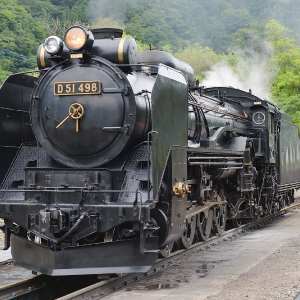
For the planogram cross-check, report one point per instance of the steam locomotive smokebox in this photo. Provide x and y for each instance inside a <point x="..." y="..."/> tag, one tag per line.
<point x="109" y="44"/>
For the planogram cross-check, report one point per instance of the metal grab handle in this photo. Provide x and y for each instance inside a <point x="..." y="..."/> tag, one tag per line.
<point x="149" y="133"/>
<point x="76" y="114"/>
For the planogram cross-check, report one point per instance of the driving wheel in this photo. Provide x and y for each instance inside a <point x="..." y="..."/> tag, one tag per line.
<point x="204" y="224"/>
<point x="188" y="235"/>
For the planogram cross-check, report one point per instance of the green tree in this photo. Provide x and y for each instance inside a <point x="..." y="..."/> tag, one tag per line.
<point x="286" y="86"/>
<point x="287" y="58"/>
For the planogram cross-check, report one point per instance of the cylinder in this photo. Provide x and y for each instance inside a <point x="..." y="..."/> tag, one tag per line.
<point x="226" y="171"/>
<point x="116" y="50"/>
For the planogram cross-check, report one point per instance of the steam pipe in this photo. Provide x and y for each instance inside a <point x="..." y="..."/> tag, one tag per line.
<point x="214" y="157"/>
<point x="74" y="227"/>
<point x="199" y="163"/>
<point x="232" y="168"/>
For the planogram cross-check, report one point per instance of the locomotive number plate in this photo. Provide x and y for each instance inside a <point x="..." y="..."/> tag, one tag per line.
<point x="77" y="88"/>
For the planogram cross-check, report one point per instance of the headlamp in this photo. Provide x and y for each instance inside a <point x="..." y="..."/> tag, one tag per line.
<point x="78" y="37"/>
<point x="53" y="45"/>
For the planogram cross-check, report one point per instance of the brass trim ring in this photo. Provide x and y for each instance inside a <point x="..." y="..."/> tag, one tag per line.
<point x="120" y="51"/>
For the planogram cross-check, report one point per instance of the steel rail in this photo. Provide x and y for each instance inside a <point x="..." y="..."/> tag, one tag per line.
<point x="24" y="289"/>
<point x="20" y="289"/>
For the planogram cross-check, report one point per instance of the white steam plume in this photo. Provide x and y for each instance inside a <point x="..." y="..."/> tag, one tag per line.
<point x="253" y="72"/>
<point x="115" y="9"/>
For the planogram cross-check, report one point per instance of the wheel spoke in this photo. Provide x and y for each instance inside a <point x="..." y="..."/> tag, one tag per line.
<point x="219" y="219"/>
<point x="204" y="224"/>
<point x="188" y="235"/>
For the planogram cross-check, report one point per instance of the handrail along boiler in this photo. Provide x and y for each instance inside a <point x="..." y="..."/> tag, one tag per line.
<point x="124" y="155"/>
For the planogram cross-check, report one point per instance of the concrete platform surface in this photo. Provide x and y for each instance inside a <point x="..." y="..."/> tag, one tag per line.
<point x="5" y="255"/>
<point x="209" y="274"/>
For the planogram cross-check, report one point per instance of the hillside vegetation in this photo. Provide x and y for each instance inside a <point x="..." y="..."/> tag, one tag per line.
<point x="204" y="33"/>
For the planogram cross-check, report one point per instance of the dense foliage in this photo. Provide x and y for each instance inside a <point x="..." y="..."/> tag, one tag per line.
<point x="24" y="24"/>
<point x="201" y="32"/>
<point x="286" y="84"/>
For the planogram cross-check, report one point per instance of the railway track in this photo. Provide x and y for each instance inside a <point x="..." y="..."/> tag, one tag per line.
<point x="89" y="287"/>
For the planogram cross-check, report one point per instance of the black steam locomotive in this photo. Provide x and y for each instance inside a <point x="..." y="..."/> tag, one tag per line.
<point x="111" y="156"/>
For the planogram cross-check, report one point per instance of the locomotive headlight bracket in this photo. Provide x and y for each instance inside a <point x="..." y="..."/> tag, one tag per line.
<point x="78" y="38"/>
<point x="53" y="45"/>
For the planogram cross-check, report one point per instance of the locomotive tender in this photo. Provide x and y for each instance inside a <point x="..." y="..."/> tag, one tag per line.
<point x="110" y="156"/>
